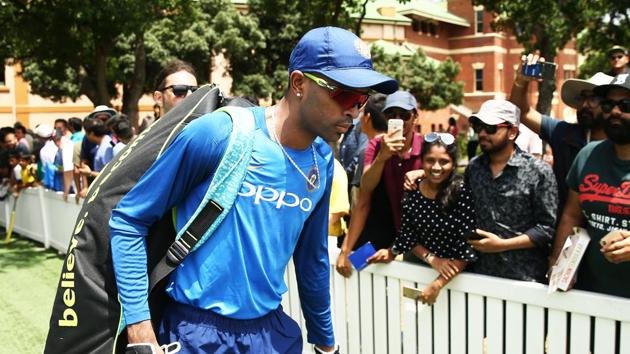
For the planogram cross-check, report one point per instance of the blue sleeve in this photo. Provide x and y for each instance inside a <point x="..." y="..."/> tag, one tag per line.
<point x="188" y="161"/>
<point x="547" y="127"/>
<point x="313" y="270"/>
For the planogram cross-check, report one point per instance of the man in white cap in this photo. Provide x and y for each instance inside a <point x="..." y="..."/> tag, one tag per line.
<point x="566" y="139"/>
<point x="599" y="198"/>
<point x="515" y="197"/>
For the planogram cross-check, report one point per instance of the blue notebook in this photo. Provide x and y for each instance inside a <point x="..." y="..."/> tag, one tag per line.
<point x="359" y="257"/>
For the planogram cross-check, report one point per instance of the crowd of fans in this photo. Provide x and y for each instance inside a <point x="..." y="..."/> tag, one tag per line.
<point x="509" y="213"/>
<point x="65" y="157"/>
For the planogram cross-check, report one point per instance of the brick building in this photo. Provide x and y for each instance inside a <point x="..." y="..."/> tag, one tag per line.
<point x="453" y="28"/>
<point x="457" y="29"/>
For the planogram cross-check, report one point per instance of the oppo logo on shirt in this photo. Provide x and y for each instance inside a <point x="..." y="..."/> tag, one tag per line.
<point x="279" y="198"/>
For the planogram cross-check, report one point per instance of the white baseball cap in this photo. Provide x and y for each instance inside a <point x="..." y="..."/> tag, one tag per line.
<point x="493" y="112"/>
<point x="43" y="131"/>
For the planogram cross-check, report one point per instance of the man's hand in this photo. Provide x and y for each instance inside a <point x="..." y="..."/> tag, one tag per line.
<point x="344" y="267"/>
<point x="381" y="256"/>
<point x="490" y="243"/>
<point x="142" y="332"/>
<point x="618" y="251"/>
<point x="412" y="178"/>
<point x="430" y="293"/>
<point x="446" y="267"/>
<point x="85" y="170"/>
<point x="390" y="146"/>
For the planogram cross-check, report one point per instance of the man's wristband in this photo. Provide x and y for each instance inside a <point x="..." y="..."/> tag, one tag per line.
<point x="319" y="351"/>
<point x="427" y="257"/>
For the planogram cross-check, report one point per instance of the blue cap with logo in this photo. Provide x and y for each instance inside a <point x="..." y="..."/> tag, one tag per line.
<point x="341" y="56"/>
<point x="400" y="99"/>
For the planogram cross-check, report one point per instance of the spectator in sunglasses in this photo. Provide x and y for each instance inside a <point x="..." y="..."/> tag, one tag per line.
<point x="618" y="59"/>
<point x="376" y="216"/>
<point x="437" y="218"/>
<point x="173" y="83"/>
<point x="599" y="195"/>
<point x="515" y="198"/>
<point x="566" y="139"/>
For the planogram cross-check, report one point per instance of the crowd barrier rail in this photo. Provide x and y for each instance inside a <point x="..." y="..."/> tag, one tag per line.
<point x="474" y="314"/>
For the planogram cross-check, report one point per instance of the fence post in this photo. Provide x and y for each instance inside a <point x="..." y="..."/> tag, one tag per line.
<point x="42" y="208"/>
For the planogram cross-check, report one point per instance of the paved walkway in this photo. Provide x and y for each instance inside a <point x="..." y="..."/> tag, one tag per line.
<point x="28" y="279"/>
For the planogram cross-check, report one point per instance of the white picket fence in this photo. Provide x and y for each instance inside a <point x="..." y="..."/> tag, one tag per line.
<point x="474" y="314"/>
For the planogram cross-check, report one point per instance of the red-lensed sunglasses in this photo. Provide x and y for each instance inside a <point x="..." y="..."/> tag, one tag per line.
<point x="344" y="97"/>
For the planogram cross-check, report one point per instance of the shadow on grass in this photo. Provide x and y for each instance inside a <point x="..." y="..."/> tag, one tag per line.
<point x="23" y="253"/>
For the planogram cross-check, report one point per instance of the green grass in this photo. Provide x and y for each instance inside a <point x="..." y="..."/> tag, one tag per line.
<point x="28" y="280"/>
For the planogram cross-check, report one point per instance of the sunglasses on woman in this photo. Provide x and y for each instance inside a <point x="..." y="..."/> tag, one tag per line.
<point x="478" y="126"/>
<point x="445" y="138"/>
<point x="344" y="97"/>
<point x="608" y="105"/>
<point x="180" y="90"/>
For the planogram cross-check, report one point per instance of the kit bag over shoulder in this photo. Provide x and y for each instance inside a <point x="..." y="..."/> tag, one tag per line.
<point x="86" y="315"/>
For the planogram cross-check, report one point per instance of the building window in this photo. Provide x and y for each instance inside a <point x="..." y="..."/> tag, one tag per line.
<point x="433" y="29"/>
<point x="569" y="74"/>
<point x="432" y="127"/>
<point x="478" y="79"/>
<point x="415" y="25"/>
<point x="424" y="26"/>
<point x="479" y="21"/>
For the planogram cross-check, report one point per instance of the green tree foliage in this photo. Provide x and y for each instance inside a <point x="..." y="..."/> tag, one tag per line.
<point x="283" y="22"/>
<point x="607" y="24"/>
<point x="431" y="82"/>
<point x="86" y="48"/>
<point x="543" y="25"/>
<point x="78" y="47"/>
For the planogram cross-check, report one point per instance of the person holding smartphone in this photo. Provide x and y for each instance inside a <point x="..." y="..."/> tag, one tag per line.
<point x="376" y="216"/>
<point x="437" y="218"/>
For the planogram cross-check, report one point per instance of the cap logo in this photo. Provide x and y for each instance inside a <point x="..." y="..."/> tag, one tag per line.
<point x="621" y="79"/>
<point x="362" y="48"/>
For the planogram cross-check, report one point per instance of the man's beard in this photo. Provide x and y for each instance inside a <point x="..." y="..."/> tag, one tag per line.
<point x="494" y="147"/>
<point x="618" y="133"/>
<point x="588" y="120"/>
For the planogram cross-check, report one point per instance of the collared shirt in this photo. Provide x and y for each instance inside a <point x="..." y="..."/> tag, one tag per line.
<point x="394" y="171"/>
<point x="352" y="145"/>
<point x="104" y="153"/>
<point x="522" y="199"/>
<point x="566" y="140"/>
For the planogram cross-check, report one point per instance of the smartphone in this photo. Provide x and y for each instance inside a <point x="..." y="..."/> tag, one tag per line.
<point x="541" y="70"/>
<point x="395" y="124"/>
<point x="412" y="293"/>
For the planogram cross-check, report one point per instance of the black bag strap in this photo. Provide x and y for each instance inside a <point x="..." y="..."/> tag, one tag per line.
<point x="182" y="246"/>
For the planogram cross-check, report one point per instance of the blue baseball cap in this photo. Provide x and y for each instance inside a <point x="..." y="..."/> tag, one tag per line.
<point x="341" y="56"/>
<point x="400" y="99"/>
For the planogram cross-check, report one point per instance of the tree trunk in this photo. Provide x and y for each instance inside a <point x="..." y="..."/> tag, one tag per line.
<point x="336" y="13"/>
<point x="133" y="88"/>
<point x="546" y="87"/>
<point x="100" y="74"/>
<point x="357" y="27"/>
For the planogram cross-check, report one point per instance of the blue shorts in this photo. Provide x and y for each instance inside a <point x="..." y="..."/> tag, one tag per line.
<point x="203" y="331"/>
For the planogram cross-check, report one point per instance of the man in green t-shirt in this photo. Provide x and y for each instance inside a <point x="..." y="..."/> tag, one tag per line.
<point x="599" y="197"/>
